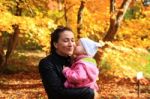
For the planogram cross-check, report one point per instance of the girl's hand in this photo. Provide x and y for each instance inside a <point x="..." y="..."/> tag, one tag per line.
<point x="65" y="67"/>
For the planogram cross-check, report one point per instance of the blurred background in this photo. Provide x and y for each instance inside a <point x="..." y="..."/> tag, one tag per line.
<point x="26" y="25"/>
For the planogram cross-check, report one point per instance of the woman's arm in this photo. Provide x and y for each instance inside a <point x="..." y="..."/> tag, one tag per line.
<point x="52" y="83"/>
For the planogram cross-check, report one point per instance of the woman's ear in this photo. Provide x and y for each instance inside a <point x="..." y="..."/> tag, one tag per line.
<point x="55" y="45"/>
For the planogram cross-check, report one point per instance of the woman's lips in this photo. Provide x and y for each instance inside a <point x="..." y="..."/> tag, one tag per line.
<point x="70" y="49"/>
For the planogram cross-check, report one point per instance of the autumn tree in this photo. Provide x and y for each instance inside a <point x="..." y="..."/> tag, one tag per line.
<point x="67" y="8"/>
<point x="14" y="36"/>
<point x="79" y="19"/>
<point x="116" y="19"/>
<point x="17" y="18"/>
<point x="112" y="6"/>
<point x="1" y="51"/>
<point x="60" y="4"/>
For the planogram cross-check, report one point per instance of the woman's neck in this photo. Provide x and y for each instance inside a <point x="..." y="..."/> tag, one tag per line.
<point x="60" y="59"/>
<point x="61" y="54"/>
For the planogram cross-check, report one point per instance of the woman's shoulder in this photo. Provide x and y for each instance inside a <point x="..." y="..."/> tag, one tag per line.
<point x="45" y="61"/>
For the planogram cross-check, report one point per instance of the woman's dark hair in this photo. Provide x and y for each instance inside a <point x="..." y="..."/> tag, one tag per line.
<point x="55" y="36"/>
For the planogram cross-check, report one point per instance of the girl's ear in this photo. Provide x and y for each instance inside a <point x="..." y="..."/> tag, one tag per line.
<point x="55" y="45"/>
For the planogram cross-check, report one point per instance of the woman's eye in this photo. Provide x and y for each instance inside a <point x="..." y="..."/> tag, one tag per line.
<point x="72" y="40"/>
<point x="65" y="40"/>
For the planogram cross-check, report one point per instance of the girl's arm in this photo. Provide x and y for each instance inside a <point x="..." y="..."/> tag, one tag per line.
<point x="75" y="75"/>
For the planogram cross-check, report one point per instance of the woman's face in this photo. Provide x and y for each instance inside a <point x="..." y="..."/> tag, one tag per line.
<point x="65" y="44"/>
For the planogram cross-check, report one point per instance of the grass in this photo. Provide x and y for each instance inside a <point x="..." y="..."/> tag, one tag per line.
<point x="125" y="63"/>
<point x="23" y="61"/>
<point x="114" y="62"/>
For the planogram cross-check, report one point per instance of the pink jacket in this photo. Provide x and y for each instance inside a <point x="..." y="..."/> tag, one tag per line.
<point x="83" y="73"/>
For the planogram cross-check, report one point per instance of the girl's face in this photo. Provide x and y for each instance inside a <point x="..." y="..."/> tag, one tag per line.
<point x="65" y="44"/>
<point x="79" y="49"/>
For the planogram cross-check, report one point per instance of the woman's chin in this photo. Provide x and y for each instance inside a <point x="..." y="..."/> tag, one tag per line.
<point x="70" y="53"/>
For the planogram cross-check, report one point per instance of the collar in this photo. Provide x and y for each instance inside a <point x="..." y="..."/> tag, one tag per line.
<point x="61" y="60"/>
<point x="82" y="56"/>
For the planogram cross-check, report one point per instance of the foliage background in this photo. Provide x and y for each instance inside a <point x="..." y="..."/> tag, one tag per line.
<point x="126" y="55"/>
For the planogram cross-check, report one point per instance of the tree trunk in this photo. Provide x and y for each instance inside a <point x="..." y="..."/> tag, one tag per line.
<point x="13" y="37"/>
<point x="112" y="6"/>
<point x="1" y="51"/>
<point x="65" y="13"/>
<point x="66" y="9"/>
<point x="115" y="21"/>
<point x="60" y="7"/>
<point x="12" y="43"/>
<point x="79" y="19"/>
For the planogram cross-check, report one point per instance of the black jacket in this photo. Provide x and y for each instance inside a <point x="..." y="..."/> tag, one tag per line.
<point x="50" y="69"/>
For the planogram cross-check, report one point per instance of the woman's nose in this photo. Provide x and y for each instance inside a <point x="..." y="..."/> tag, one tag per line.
<point x="71" y="44"/>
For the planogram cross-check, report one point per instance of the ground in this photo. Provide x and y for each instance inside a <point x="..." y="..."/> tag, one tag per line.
<point x="27" y="84"/>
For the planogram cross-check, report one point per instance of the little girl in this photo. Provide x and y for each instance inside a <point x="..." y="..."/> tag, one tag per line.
<point x="84" y="71"/>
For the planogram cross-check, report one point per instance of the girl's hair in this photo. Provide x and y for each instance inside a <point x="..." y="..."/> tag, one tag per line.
<point x="55" y="35"/>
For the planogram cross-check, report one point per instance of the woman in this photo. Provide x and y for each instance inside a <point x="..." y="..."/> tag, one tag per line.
<point x="50" y="67"/>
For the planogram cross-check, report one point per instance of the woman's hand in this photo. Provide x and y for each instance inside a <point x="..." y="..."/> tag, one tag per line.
<point x="96" y="95"/>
